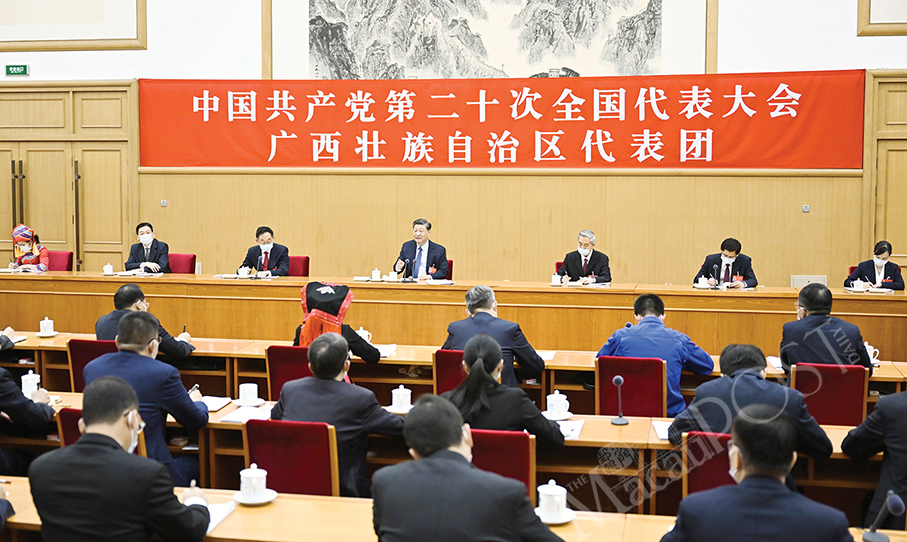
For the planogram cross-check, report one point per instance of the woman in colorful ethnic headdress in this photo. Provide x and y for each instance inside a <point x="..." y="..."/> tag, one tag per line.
<point x="325" y="305"/>
<point x="30" y="255"/>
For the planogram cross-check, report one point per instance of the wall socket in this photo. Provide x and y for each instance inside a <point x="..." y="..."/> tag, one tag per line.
<point x="164" y="204"/>
<point x="806" y="208"/>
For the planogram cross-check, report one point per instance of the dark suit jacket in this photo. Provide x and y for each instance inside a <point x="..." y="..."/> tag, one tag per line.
<point x="358" y="346"/>
<point x="159" y="253"/>
<point x="758" y="509"/>
<point x="25" y="414"/>
<point x="867" y="270"/>
<point x="437" y="258"/>
<point x="6" y="510"/>
<point x="510" y="409"/>
<point x="160" y="392"/>
<point x="94" y="491"/>
<point x="598" y="266"/>
<point x="509" y="336"/>
<point x="278" y="260"/>
<point x="718" y="401"/>
<point x="742" y="266"/>
<point x="885" y="430"/>
<point x="444" y="498"/>
<point x="5" y="343"/>
<point x="105" y="329"/>
<point x="353" y="411"/>
<point x="823" y="339"/>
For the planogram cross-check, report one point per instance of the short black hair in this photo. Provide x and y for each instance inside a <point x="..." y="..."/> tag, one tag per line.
<point x="433" y="424"/>
<point x="263" y="230"/>
<point x="327" y="354"/>
<point x="815" y="298"/>
<point x="136" y="329"/>
<point x="142" y="225"/>
<point x="740" y="357"/>
<point x="731" y="244"/>
<point x="648" y="305"/>
<point x="106" y="399"/>
<point x="767" y="438"/>
<point x="422" y="222"/>
<point x="127" y="295"/>
<point x="881" y="248"/>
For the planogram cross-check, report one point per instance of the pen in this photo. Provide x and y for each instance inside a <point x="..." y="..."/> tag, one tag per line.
<point x="184" y="328"/>
<point x="193" y="388"/>
<point x="5" y="482"/>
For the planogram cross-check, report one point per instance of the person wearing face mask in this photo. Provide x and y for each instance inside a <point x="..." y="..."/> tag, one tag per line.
<point x="266" y="258"/>
<point x="878" y="272"/>
<point x="97" y="490"/>
<point x="585" y="264"/>
<point x="819" y="337"/>
<point x="159" y="387"/>
<point x="29" y="253"/>
<point x="149" y="254"/>
<point x="759" y="507"/>
<point x="728" y="267"/>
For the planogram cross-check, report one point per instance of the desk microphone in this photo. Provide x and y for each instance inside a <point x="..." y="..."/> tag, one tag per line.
<point x="620" y="420"/>
<point x="893" y="504"/>
<point x="410" y="278"/>
<point x="715" y="270"/>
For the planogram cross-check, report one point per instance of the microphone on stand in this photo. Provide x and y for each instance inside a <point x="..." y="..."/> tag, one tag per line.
<point x="410" y="278"/>
<point x="717" y="282"/>
<point x="893" y="504"/>
<point x="619" y="420"/>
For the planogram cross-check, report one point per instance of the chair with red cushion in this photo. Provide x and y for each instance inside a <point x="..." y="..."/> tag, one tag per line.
<point x="557" y="267"/>
<point x="299" y="266"/>
<point x="59" y="260"/>
<point x="835" y="394"/>
<point x="182" y="263"/>
<point x="82" y="351"/>
<point x="300" y="457"/>
<point x="68" y="429"/>
<point x="705" y="461"/>
<point x="285" y="363"/>
<point x="508" y="453"/>
<point x="447" y="368"/>
<point x="644" y="391"/>
<point x="449" y="270"/>
<point x="852" y="269"/>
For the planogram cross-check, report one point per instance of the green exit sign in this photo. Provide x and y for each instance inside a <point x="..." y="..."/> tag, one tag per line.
<point x="17" y="70"/>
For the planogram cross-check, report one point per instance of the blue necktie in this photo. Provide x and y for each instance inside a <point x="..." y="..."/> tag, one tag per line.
<point x="418" y="264"/>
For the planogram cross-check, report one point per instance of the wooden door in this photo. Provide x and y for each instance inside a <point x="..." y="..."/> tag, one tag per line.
<point x="9" y="153"/>
<point x="891" y="198"/>
<point x="47" y="192"/>
<point x="104" y="234"/>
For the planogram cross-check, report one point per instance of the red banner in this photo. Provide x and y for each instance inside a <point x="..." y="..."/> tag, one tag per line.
<point x="800" y="120"/>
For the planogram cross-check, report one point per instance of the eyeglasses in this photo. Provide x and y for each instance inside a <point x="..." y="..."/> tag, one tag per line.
<point x="797" y="305"/>
<point x="158" y="338"/>
<point x="141" y="422"/>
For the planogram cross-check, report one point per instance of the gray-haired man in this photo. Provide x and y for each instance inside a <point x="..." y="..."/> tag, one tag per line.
<point x="585" y="264"/>
<point x="482" y="311"/>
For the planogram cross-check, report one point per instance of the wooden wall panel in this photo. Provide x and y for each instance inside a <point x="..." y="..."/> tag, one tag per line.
<point x="100" y="113"/>
<point x="25" y="113"/>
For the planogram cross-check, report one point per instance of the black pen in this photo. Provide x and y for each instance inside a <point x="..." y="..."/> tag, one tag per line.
<point x="184" y="328"/>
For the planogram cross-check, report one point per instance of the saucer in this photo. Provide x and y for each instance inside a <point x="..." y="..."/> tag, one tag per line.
<point x="46" y="335"/>
<point x="394" y="410"/>
<point x="267" y="496"/>
<point x="109" y="274"/>
<point x="257" y="402"/>
<point x="702" y="286"/>
<point x="566" y="516"/>
<point x="565" y="416"/>
<point x="555" y="284"/>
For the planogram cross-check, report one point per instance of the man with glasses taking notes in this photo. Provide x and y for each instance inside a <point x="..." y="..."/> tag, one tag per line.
<point x="159" y="388"/>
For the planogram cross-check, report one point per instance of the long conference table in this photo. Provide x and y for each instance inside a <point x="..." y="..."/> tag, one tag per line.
<point x="291" y="518"/>
<point x="552" y="317"/>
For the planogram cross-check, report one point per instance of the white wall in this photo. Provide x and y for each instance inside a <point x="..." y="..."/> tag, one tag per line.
<point x="197" y="39"/>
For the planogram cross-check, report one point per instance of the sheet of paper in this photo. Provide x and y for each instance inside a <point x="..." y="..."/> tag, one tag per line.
<point x="386" y="350"/>
<point x="661" y="428"/>
<point x="775" y="361"/>
<point x="546" y="355"/>
<point x="571" y="428"/>
<point x="244" y="414"/>
<point x="440" y="282"/>
<point x="215" y="403"/>
<point x="19" y="338"/>
<point x="219" y="512"/>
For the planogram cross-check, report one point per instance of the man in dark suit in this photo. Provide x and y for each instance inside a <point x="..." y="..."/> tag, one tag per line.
<point x="97" y="490"/>
<point x="159" y="388"/>
<point x="441" y="496"/>
<point x="818" y="337"/>
<point x="728" y="267"/>
<point x="130" y="298"/>
<point x="353" y="411"/>
<point x="759" y="507"/>
<point x="266" y="258"/>
<point x="25" y="416"/>
<point x="419" y="258"/>
<point x="743" y="383"/>
<point x="585" y="264"/>
<point x="885" y="430"/>
<point x="482" y="311"/>
<point x="151" y="255"/>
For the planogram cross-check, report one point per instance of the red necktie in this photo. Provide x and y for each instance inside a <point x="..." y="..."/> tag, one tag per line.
<point x="727" y="272"/>
<point x="265" y="263"/>
<point x="585" y="263"/>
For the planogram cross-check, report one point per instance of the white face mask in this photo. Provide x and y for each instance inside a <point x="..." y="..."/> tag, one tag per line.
<point x="24" y="248"/>
<point x="146" y="238"/>
<point x="134" y="443"/>
<point x="584" y="251"/>
<point x="266" y="248"/>
<point x="726" y="260"/>
<point x="879" y="262"/>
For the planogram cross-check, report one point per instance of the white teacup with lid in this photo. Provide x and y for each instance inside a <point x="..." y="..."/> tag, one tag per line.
<point x="401" y="398"/>
<point x="558" y="405"/>
<point x="552" y="502"/>
<point x="253" y="482"/>
<point x="30" y="383"/>
<point x="47" y="326"/>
